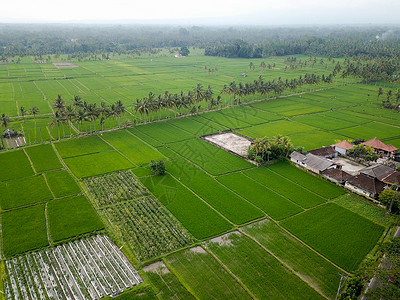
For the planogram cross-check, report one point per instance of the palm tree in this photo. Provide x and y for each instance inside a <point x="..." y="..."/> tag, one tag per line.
<point x="5" y="120"/>
<point x="198" y="93"/>
<point x="34" y="111"/>
<point x="208" y="94"/>
<point x="80" y="116"/>
<point x="23" y="112"/>
<point x="380" y="92"/>
<point x="120" y="110"/>
<point x="104" y="113"/>
<point x="69" y="114"/>
<point x="59" y="104"/>
<point x="77" y="102"/>
<point x="58" y="119"/>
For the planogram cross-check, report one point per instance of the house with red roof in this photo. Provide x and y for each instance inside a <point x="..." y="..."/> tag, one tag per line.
<point x="342" y="147"/>
<point x="381" y="148"/>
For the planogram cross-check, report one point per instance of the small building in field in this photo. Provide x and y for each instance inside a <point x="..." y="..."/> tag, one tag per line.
<point x="336" y="175"/>
<point x="327" y="152"/>
<point x="342" y="147"/>
<point x="9" y="133"/>
<point x="244" y="75"/>
<point x="297" y="158"/>
<point x="365" y="185"/>
<point x="312" y="162"/>
<point x="381" y="148"/>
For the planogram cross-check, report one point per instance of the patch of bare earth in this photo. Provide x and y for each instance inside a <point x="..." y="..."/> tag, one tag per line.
<point x="65" y="65"/>
<point x="224" y="240"/>
<point x="231" y="142"/>
<point x="158" y="267"/>
<point x="197" y="249"/>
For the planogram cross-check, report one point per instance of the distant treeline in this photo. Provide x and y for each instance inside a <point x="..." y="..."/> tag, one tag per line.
<point x="334" y="41"/>
<point x="314" y="46"/>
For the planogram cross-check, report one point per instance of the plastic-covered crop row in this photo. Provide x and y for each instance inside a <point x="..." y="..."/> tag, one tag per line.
<point x="90" y="268"/>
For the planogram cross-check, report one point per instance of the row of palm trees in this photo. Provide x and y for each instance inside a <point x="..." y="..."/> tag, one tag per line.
<point x="81" y="112"/>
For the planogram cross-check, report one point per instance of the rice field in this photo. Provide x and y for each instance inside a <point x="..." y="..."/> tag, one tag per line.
<point x="301" y="227"/>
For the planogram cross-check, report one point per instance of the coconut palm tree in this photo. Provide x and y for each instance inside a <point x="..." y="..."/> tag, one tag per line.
<point x="104" y="112"/>
<point x="80" y="116"/>
<point x="58" y="119"/>
<point x="69" y="115"/>
<point x="120" y="110"/>
<point x="5" y="120"/>
<point x="77" y="102"/>
<point x="59" y="104"/>
<point x="23" y="112"/>
<point x="380" y="92"/>
<point x="34" y="111"/>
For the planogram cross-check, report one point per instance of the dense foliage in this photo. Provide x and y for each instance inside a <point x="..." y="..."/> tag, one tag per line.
<point x="362" y="152"/>
<point x="264" y="149"/>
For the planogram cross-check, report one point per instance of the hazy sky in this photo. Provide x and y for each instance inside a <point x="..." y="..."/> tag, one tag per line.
<point x="203" y="11"/>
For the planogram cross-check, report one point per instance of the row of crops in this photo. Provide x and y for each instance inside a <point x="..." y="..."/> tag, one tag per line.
<point x="140" y="219"/>
<point x="84" y="269"/>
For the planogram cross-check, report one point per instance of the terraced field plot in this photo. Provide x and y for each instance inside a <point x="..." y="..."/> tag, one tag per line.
<point x="132" y="147"/>
<point x="14" y="165"/>
<point x="271" y="129"/>
<point x="236" y="209"/>
<point x="97" y="163"/>
<point x="275" y="205"/>
<point x="186" y="207"/>
<point x="208" y="157"/>
<point x="204" y="276"/>
<point x="264" y="275"/>
<point x="43" y="158"/>
<point x="338" y="234"/>
<point x="285" y="187"/>
<point x="82" y="146"/>
<point x="84" y="269"/>
<point x="317" y="271"/>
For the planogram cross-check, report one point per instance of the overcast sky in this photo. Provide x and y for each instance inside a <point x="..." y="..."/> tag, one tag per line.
<point x="253" y="12"/>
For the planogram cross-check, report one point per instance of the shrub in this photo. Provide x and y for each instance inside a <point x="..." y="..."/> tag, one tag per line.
<point x="157" y="167"/>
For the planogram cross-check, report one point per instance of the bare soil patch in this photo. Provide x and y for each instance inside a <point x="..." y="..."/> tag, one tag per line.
<point x="198" y="249"/>
<point x="231" y="142"/>
<point x="223" y="240"/>
<point x="158" y="267"/>
<point x="65" y="65"/>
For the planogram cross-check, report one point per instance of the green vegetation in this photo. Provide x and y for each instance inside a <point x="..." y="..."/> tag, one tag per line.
<point x="62" y="184"/>
<point x="69" y="217"/>
<point x="364" y="208"/>
<point x="285" y="187"/>
<point x="25" y="191"/>
<point x="198" y="270"/>
<point x="272" y="203"/>
<point x="320" y="186"/>
<point x="132" y="147"/>
<point x="222" y="199"/>
<point x="157" y="167"/>
<point x="81" y="146"/>
<point x="338" y="234"/>
<point x="98" y="163"/>
<point x="264" y="275"/>
<point x="193" y="213"/>
<point x="43" y="158"/>
<point x="14" y="165"/>
<point x="208" y="157"/>
<point x="317" y="271"/>
<point x="23" y="230"/>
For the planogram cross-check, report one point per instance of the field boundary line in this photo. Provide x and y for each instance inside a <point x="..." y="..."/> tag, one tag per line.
<point x="181" y="281"/>
<point x="284" y="264"/>
<point x="201" y="199"/>
<point x="302" y="186"/>
<point x="49" y="239"/>
<point x="233" y="275"/>
<point x="306" y="245"/>
<point x="48" y="186"/>
<point x="274" y="191"/>
<point x="30" y="161"/>
<point x="115" y="149"/>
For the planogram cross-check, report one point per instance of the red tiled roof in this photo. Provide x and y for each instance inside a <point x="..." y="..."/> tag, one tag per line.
<point x="377" y="144"/>
<point x="344" y="144"/>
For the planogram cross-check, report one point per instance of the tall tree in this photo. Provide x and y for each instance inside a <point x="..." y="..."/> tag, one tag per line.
<point x="34" y="111"/>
